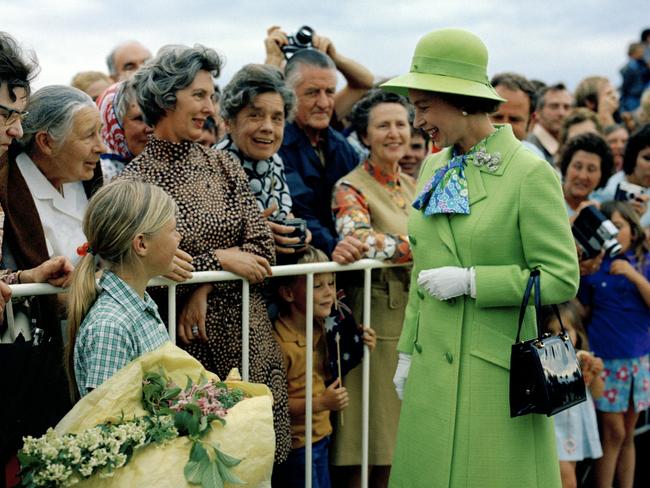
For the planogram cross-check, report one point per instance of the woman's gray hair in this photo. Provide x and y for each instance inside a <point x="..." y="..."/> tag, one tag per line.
<point x="173" y="69"/>
<point x="360" y="114"/>
<point x="249" y="82"/>
<point x="52" y="109"/>
<point x="124" y="99"/>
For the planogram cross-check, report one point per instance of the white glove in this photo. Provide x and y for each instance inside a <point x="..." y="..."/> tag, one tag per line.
<point x="448" y="282"/>
<point x="401" y="373"/>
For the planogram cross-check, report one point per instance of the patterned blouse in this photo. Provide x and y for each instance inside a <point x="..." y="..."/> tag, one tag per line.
<point x="353" y="215"/>
<point x="265" y="178"/>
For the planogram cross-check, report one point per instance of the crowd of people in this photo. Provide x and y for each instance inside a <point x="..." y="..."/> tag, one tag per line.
<point x="160" y="168"/>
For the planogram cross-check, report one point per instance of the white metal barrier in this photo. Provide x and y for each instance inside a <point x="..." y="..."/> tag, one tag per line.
<point x="366" y="265"/>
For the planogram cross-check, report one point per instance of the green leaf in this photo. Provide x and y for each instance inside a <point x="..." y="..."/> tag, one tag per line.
<point x="226" y="459"/>
<point x="170" y="393"/>
<point x="196" y="465"/>
<point x="189" y="384"/>
<point x="211" y="477"/>
<point x="227" y="475"/>
<point x="186" y="422"/>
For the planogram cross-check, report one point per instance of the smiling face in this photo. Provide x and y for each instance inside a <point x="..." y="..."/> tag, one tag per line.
<point x="257" y="130"/>
<point x="582" y="175"/>
<point x="194" y="103"/>
<point x="444" y="122"/>
<point x="315" y="93"/>
<point x="324" y="294"/>
<point x="388" y="133"/>
<point x="136" y="132"/>
<point x="13" y="130"/>
<point x="77" y="157"/>
<point x="415" y="154"/>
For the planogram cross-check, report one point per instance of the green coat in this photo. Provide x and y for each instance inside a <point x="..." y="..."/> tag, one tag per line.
<point x="455" y="428"/>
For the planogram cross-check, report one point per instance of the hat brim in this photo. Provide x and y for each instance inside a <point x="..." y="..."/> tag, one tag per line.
<point x="440" y="83"/>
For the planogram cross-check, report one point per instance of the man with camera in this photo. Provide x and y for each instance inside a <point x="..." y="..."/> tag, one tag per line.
<point x="315" y="155"/>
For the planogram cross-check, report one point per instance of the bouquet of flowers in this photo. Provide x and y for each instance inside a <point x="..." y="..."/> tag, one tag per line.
<point x="53" y="460"/>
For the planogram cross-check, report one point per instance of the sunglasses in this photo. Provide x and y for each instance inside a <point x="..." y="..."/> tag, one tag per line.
<point x="11" y="115"/>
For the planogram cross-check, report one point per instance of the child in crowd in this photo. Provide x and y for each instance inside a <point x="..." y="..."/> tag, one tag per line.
<point x="618" y="299"/>
<point x="576" y="429"/>
<point x="289" y="329"/>
<point x="132" y="237"/>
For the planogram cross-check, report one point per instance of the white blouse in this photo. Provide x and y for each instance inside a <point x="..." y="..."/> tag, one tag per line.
<point x="61" y="214"/>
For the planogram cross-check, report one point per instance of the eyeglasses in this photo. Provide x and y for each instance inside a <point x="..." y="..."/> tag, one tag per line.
<point x="11" y="115"/>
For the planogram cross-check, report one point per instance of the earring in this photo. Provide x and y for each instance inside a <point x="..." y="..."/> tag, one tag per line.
<point x="465" y="114"/>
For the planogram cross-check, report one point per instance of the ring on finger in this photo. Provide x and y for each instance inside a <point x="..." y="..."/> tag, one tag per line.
<point x="195" y="330"/>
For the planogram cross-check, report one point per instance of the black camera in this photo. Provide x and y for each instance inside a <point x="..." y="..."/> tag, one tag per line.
<point x="628" y="191"/>
<point x="299" y="230"/>
<point x="302" y="39"/>
<point x="594" y="232"/>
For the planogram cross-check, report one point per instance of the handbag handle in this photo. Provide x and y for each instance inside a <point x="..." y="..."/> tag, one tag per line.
<point x="534" y="281"/>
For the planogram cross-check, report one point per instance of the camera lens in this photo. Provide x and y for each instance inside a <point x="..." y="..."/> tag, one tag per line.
<point x="612" y="247"/>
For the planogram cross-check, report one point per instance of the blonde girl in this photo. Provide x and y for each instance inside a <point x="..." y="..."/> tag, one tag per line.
<point x="132" y="237"/>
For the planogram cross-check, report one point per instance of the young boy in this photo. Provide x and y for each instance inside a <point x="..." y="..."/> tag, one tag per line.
<point x="289" y="329"/>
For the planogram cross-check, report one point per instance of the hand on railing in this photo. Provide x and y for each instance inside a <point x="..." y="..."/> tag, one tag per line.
<point x="348" y="250"/>
<point x="335" y="398"/>
<point x="191" y="324"/>
<point x="56" y="271"/>
<point x="250" y="266"/>
<point x="5" y="296"/>
<point x="369" y="337"/>
<point x="181" y="267"/>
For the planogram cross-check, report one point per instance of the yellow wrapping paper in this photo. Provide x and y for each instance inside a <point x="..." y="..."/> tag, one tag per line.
<point x="248" y="434"/>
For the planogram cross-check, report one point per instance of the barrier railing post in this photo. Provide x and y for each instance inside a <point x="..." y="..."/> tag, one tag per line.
<point x="171" y="308"/>
<point x="365" y="383"/>
<point x="309" y="329"/>
<point x="245" y="328"/>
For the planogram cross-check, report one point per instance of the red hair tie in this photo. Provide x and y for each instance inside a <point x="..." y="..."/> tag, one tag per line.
<point x="84" y="249"/>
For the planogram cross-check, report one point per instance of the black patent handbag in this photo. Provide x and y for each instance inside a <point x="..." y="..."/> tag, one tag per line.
<point x="545" y="376"/>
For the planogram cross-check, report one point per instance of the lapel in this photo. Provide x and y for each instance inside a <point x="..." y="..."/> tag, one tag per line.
<point x="23" y="229"/>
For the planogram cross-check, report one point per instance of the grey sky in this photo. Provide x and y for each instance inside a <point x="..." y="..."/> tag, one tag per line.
<point x="551" y="40"/>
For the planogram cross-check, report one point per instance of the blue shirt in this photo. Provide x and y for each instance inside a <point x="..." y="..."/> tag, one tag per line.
<point x="118" y="328"/>
<point x="311" y="180"/>
<point x="619" y="326"/>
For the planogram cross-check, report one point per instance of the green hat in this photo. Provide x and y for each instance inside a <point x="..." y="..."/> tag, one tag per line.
<point x="447" y="61"/>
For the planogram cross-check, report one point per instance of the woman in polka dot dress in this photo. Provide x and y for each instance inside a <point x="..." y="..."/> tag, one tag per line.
<point x="618" y="299"/>
<point x="220" y="223"/>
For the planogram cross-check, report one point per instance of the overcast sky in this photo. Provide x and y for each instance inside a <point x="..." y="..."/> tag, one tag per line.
<point x="550" y="40"/>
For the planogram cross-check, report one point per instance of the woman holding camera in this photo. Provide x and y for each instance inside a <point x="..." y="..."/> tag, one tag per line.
<point x="636" y="170"/>
<point x="488" y="211"/>
<point x="218" y="219"/>
<point x="255" y="105"/>
<point x="372" y="203"/>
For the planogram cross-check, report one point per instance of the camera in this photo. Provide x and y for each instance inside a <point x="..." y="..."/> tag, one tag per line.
<point x="594" y="232"/>
<point x="628" y="191"/>
<point x="302" y="39"/>
<point x="299" y="230"/>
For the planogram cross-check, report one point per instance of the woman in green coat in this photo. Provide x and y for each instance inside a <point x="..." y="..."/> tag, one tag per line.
<point x="488" y="211"/>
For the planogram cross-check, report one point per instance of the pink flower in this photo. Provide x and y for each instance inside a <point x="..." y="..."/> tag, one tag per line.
<point x="623" y="374"/>
<point x="610" y="394"/>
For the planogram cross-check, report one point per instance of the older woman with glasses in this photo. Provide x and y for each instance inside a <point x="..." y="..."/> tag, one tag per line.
<point x="219" y="220"/>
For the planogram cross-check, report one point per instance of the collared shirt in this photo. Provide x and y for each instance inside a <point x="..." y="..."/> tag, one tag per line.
<point x="119" y="328"/>
<point x="310" y="181"/>
<point x="545" y="141"/>
<point x="353" y="215"/>
<point x="619" y="326"/>
<point x="61" y="214"/>
<point x="294" y="349"/>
